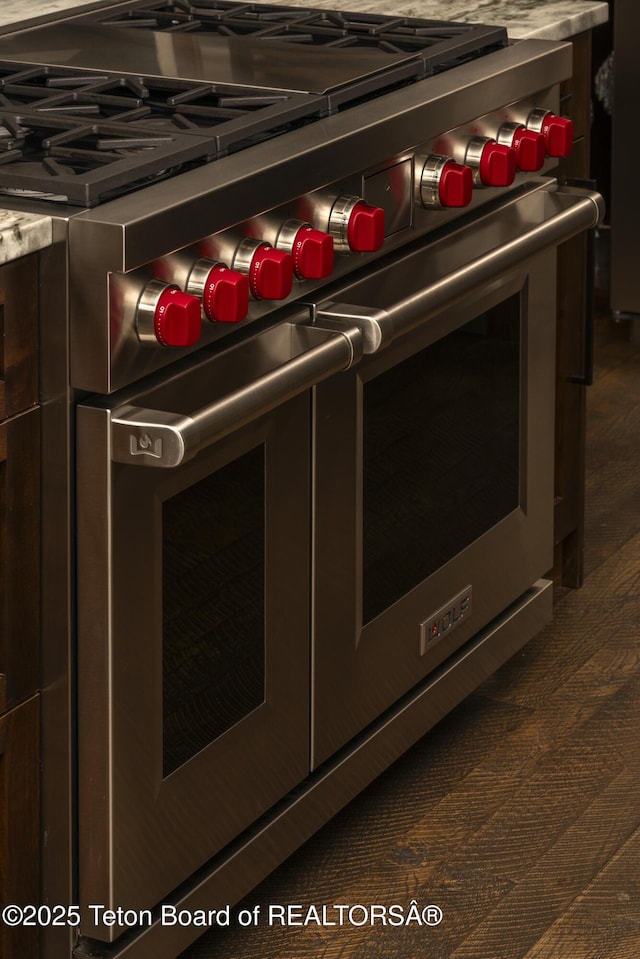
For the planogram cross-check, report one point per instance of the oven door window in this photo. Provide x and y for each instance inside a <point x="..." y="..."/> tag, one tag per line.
<point x="193" y="625"/>
<point x="441" y="453"/>
<point x="213" y="606"/>
<point x="434" y="479"/>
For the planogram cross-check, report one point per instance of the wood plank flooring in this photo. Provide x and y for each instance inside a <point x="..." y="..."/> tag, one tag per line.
<point x="519" y="814"/>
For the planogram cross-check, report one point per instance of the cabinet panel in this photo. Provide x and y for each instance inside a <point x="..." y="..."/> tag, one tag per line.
<point x="18" y="336"/>
<point x="570" y="346"/>
<point x="19" y="557"/>
<point x="625" y="189"/>
<point x="19" y="824"/>
<point x="19" y="481"/>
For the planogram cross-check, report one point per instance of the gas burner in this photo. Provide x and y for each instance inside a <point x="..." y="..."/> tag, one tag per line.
<point x="438" y="44"/>
<point x="82" y="137"/>
<point x="84" y="163"/>
<point x="79" y="123"/>
<point x="291" y="24"/>
<point x="184" y="106"/>
<point x="68" y="93"/>
<point x="229" y="115"/>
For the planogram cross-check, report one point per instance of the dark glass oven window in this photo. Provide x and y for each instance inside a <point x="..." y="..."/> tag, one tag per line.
<point x="213" y="606"/>
<point x="441" y="453"/>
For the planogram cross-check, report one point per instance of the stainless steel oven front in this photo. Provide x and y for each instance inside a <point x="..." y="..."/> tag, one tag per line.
<point x="434" y="467"/>
<point x="279" y="541"/>
<point x="193" y="612"/>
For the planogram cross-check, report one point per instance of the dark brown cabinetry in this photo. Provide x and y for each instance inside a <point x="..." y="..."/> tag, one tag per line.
<point x="625" y="189"/>
<point x="19" y="832"/>
<point x="19" y="599"/>
<point x="573" y="269"/>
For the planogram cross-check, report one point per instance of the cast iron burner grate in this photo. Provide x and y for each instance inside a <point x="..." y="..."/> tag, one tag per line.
<point x="81" y="138"/>
<point x="81" y="163"/>
<point x="440" y="45"/>
<point x="87" y="132"/>
<point x="68" y="93"/>
<point x="177" y="105"/>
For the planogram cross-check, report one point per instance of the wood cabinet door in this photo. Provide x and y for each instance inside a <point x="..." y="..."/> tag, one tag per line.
<point x="19" y="824"/>
<point x="18" y="336"/>
<point x="19" y="482"/>
<point x="19" y="557"/>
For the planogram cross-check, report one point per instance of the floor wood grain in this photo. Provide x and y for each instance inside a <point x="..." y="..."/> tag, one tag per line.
<point x="519" y="814"/>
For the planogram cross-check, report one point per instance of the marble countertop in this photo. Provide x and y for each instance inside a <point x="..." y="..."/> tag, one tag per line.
<point x="545" y="19"/>
<point x="549" y="19"/>
<point x="13" y="11"/>
<point x="22" y="233"/>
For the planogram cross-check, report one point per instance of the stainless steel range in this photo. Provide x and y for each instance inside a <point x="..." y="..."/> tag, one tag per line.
<point x="298" y="361"/>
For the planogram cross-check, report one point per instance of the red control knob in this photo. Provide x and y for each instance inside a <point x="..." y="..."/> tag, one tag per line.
<point x="530" y="149"/>
<point x="497" y="166"/>
<point x="365" y="230"/>
<point x="225" y="296"/>
<point x="270" y="273"/>
<point x="529" y="145"/>
<point x="442" y="182"/>
<point x="312" y="254"/>
<point x="558" y="134"/>
<point x="177" y="318"/>
<point x="456" y="185"/>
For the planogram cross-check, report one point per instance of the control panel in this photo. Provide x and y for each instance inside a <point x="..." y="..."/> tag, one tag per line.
<point x="237" y="275"/>
<point x="217" y="280"/>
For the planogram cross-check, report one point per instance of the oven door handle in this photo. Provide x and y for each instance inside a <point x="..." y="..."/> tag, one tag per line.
<point x="150" y="437"/>
<point x="570" y="212"/>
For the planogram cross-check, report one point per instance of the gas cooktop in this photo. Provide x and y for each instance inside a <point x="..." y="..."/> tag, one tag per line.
<point x="109" y="102"/>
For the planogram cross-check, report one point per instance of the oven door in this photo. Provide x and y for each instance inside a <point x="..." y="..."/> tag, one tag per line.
<point x="193" y="611"/>
<point x="434" y="456"/>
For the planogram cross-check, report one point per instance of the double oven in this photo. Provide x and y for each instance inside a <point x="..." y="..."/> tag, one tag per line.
<point x="280" y="544"/>
<point x="316" y="540"/>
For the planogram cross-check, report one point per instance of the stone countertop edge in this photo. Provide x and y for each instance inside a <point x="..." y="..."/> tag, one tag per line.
<point x="563" y="28"/>
<point x="22" y="233"/>
<point x="523" y="19"/>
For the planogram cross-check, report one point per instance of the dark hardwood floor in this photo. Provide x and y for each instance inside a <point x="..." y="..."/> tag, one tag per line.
<point x="519" y="814"/>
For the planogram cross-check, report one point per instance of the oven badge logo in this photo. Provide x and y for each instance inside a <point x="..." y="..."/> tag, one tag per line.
<point x="445" y="620"/>
<point x="142" y="444"/>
